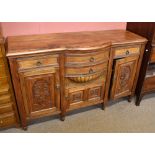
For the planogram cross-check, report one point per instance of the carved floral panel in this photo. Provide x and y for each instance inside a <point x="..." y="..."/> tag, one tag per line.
<point x="41" y="95"/>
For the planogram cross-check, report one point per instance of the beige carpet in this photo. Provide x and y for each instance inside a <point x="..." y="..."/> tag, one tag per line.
<point x="119" y="116"/>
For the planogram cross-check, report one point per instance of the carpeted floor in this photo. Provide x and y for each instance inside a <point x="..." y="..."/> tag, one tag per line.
<point x="119" y="116"/>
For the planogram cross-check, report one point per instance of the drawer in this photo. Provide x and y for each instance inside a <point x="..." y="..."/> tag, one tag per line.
<point x="7" y="120"/>
<point x="2" y="71"/>
<point x="5" y="98"/>
<point x="149" y="84"/>
<point x="34" y="62"/>
<point x="94" y="57"/>
<point x="126" y="51"/>
<point x="3" y="82"/>
<point x="152" y="57"/>
<point x="86" y="70"/>
<point x="5" y="108"/>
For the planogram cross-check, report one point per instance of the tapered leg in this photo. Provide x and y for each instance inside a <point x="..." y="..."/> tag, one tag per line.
<point x="103" y="106"/>
<point x="24" y="124"/>
<point x="138" y="100"/>
<point x="62" y="116"/>
<point x="24" y="128"/>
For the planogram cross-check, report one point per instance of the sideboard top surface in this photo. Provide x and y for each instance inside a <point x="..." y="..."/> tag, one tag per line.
<point x="27" y="44"/>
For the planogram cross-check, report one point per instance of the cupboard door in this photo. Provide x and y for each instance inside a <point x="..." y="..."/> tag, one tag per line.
<point x="40" y="90"/>
<point x="123" y="78"/>
<point x="85" y="96"/>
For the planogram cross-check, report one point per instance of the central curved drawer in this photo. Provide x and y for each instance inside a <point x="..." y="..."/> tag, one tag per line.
<point x="74" y="71"/>
<point x="93" y="57"/>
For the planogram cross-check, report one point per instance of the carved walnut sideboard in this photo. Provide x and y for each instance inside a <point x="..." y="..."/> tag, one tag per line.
<point x="55" y="73"/>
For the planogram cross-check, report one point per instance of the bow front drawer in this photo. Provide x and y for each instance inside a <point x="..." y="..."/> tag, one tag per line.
<point x="34" y="62"/>
<point x="87" y="58"/>
<point x="124" y="52"/>
<point x="71" y="71"/>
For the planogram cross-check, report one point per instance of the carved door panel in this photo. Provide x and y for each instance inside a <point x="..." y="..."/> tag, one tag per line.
<point x="123" y="78"/>
<point x="40" y="90"/>
<point x="96" y="93"/>
<point x="76" y="96"/>
<point x="81" y="97"/>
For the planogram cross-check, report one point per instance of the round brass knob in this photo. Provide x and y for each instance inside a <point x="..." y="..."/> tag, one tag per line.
<point x="127" y="52"/>
<point x="91" y="71"/>
<point x="146" y="50"/>
<point x="92" y="59"/>
<point x="38" y="63"/>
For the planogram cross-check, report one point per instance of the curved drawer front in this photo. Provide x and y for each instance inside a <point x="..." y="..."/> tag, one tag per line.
<point x="74" y="71"/>
<point x="124" y="52"/>
<point x="34" y="62"/>
<point x="93" y="57"/>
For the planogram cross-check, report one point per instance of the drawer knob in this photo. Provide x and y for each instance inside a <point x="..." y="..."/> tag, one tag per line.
<point x="91" y="71"/>
<point x="1" y="122"/>
<point x="146" y="50"/>
<point x="38" y="63"/>
<point x="92" y="59"/>
<point x="127" y="52"/>
<point x="57" y="86"/>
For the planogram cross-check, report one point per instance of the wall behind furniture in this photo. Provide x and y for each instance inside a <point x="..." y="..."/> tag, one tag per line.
<point x="24" y="28"/>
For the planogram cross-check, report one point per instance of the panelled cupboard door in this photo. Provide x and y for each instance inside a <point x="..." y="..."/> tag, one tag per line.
<point x="123" y="77"/>
<point x="85" y="96"/>
<point x="40" y="90"/>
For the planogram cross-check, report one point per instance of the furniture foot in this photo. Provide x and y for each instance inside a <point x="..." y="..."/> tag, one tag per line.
<point x="129" y="98"/>
<point x="103" y="106"/>
<point x="25" y="128"/>
<point x="138" y="100"/>
<point x="62" y="117"/>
